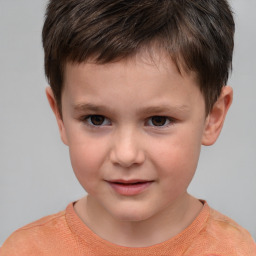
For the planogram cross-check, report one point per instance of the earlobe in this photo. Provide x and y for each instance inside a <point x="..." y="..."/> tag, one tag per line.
<point x="215" y="119"/>
<point x="54" y="107"/>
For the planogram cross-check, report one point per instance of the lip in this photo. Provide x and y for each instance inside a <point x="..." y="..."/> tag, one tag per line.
<point x="129" y="187"/>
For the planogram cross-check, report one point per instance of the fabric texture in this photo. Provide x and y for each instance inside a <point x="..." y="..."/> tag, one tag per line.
<point x="64" y="234"/>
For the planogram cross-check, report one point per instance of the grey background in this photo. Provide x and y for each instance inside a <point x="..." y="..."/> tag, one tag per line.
<point x="36" y="178"/>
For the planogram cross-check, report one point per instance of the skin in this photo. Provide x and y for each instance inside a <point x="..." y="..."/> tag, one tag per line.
<point x="129" y="143"/>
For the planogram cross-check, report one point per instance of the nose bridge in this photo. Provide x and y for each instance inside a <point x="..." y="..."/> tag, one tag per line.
<point x="127" y="147"/>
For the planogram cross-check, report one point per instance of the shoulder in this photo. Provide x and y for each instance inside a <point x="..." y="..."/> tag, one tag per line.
<point x="224" y="226"/>
<point x="37" y="237"/>
<point x="223" y="236"/>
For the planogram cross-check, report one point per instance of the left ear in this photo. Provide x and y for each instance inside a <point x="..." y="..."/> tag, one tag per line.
<point x="216" y="117"/>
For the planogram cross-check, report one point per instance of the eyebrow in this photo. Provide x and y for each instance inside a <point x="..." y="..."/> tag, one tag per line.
<point x="161" y="109"/>
<point x="165" y="109"/>
<point x="89" y="106"/>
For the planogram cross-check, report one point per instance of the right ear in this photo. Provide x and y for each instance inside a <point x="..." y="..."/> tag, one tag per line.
<point x="54" y="107"/>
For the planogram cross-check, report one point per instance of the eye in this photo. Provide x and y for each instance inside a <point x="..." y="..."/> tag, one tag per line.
<point x="158" y="121"/>
<point x="97" y="120"/>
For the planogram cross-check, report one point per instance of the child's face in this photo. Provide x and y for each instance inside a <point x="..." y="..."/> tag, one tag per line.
<point x="134" y="131"/>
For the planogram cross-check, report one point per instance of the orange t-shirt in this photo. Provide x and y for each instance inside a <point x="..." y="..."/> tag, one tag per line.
<point x="64" y="234"/>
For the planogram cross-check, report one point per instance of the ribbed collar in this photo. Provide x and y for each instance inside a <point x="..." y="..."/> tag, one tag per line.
<point x="176" y="245"/>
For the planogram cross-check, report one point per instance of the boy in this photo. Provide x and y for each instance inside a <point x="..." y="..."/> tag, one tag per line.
<point x="136" y="87"/>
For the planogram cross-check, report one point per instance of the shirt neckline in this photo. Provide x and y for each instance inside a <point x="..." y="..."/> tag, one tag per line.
<point x="79" y="229"/>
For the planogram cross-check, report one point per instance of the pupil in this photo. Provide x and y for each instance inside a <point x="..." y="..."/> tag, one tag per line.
<point x="97" y="120"/>
<point x="158" y="120"/>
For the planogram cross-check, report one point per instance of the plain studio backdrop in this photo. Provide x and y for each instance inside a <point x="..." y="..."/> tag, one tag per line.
<point x="36" y="178"/>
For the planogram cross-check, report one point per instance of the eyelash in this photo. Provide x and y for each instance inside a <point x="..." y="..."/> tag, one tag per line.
<point x="167" y="121"/>
<point x="87" y="120"/>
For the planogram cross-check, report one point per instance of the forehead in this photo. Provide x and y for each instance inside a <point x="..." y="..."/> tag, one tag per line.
<point x="152" y="53"/>
<point x="132" y="73"/>
<point x="152" y="59"/>
<point x="130" y="84"/>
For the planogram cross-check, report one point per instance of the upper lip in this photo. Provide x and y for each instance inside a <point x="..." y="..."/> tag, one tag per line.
<point x="122" y="181"/>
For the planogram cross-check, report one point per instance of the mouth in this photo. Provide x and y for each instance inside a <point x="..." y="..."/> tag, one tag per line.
<point x="129" y="187"/>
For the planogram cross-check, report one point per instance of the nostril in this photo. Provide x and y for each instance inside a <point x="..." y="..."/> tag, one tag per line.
<point x="127" y="156"/>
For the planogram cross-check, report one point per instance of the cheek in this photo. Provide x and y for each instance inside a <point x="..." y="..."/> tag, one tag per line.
<point x="178" y="161"/>
<point x="83" y="158"/>
<point x="180" y="164"/>
<point x="86" y="159"/>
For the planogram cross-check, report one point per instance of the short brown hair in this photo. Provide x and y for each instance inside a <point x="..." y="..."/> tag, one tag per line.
<point x="198" y="35"/>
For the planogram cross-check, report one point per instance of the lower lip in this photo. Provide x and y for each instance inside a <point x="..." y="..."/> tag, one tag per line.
<point x="130" y="189"/>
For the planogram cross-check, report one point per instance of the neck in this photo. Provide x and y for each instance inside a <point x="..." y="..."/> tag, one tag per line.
<point x="159" y="228"/>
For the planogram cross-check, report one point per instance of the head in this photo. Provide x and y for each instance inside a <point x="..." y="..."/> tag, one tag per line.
<point x="196" y="35"/>
<point x="137" y="87"/>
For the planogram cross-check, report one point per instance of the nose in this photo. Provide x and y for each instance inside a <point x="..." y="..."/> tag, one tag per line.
<point x="127" y="149"/>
